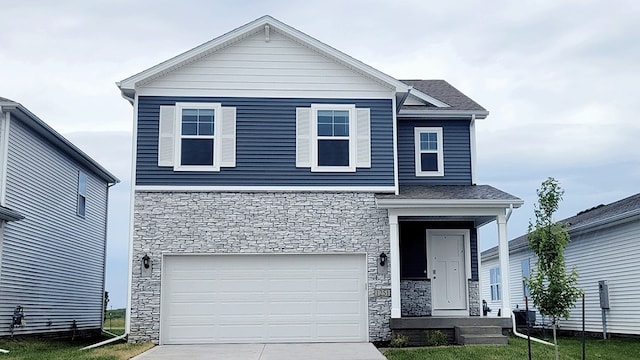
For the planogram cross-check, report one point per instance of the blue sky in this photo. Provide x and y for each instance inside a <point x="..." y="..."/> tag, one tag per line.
<point x="559" y="78"/>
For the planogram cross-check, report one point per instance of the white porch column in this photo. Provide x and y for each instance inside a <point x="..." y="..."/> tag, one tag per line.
<point x="395" y="266"/>
<point x="503" y="255"/>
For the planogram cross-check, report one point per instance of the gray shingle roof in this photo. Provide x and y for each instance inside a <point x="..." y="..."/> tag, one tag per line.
<point x="594" y="215"/>
<point x="444" y="92"/>
<point x="450" y="192"/>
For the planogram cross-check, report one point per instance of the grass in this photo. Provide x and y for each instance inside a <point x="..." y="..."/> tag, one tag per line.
<point x="570" y="348"/>
<point x="38" y="349"/>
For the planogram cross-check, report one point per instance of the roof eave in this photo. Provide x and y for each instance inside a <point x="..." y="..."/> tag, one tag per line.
<point x="22" y="113"/>
<point x="451" y="203"/>
<point x="211" y="46"/>
<point x="443" y="113"/>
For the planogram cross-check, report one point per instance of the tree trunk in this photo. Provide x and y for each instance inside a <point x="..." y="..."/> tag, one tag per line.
<point x="555" y="339"/>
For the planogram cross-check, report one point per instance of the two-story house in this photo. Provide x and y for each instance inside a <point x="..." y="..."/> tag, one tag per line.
<point x="286" y="192"/>
<point x="53" y="230"/>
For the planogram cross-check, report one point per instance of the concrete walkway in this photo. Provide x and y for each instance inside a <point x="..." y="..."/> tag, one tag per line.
<point x="323" y="351"/>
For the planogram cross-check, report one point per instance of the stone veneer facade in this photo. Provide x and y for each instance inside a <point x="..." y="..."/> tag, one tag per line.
<point x="254" y="223"/>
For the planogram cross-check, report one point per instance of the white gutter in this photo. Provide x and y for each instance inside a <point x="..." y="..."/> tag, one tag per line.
<point x="444" y="113"/>
<point x="108" y="341"/>
<point x="516" y="333"/>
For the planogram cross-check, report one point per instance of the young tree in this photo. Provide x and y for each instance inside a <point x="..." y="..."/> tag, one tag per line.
<point x="553" y="290"/>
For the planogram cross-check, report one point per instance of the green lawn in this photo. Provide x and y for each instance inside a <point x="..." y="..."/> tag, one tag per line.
<point x="32" y="349"/>
<point x="570" y="348"/>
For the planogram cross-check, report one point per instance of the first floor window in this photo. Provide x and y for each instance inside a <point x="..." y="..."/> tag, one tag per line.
<point x="429" y="158"/>
<point x="524" y="266"/>
<point x="494" y="283"/>
<point x="81" y="208"/>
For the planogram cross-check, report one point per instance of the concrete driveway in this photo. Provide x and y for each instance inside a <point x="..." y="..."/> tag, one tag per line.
<point x="324" y="351"/>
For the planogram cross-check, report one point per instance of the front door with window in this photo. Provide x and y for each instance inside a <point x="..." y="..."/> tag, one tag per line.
<point x="446" y="254"/>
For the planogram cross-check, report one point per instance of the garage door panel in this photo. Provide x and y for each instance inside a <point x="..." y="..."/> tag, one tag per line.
<point x="263" y="298"/>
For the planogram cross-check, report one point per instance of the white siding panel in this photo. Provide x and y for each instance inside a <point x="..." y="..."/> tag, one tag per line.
<point x="263" y="298"/>
<point x="53" y="260"/>
<point x="278" y="68"/>
<point x="485" y="292"/>
<point x="610" y="254"/>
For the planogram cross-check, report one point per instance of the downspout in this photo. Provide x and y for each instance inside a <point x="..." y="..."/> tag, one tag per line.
<point x="108" y="341"/>
<point x="509" y="212"/>
<point x="516" y="333"/>
<point x="2" y="351"/>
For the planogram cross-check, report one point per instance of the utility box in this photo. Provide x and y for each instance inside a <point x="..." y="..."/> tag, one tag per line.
<point x="603" y="290"/>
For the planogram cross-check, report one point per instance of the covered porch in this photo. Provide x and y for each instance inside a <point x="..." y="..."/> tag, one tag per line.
<point x="434" y="257"/>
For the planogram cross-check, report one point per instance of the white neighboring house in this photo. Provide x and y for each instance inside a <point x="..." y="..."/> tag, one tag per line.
<point x="604" y="246"/>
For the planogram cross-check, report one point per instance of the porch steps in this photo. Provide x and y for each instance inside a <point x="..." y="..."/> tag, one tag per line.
<point x="479" y="335"/>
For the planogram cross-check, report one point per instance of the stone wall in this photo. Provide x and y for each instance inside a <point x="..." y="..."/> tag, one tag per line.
<point x="415" y="297"/>
<point x="288" y="222"/>
<point x="475" y="306"/>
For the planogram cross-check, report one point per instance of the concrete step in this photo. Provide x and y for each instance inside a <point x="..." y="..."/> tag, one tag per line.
<point x="483" y="339"/>
<point x="479" y="330"/>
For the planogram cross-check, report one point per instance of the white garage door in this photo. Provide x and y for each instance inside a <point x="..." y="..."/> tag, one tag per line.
<point x="263" y="298"/>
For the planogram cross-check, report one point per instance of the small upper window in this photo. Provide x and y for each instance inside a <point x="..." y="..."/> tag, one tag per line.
<point x="81" y="208"/>
<point x="429" y="158"/>
<point x="334" y="141"/>
<point x="197" y="129"/>
<point x="494" y="283"/>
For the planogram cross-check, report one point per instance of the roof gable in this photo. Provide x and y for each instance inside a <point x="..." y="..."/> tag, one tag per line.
<point x="264" y="25"/>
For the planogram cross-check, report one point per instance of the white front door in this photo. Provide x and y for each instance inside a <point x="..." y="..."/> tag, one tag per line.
<point x="447" y="268"/>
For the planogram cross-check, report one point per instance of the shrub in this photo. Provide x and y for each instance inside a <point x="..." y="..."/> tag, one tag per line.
<point x="437" y="338"/>
<point x="399" y="340"/>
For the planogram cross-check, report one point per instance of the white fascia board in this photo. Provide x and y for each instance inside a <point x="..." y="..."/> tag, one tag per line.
<point x="160" y="188"/>
<point x="238" y="34"/>
<point x="443" y="114"/>
<point x="430" y="99"/>
<point x="452" y="203"/>
<point x="443" y="211"/>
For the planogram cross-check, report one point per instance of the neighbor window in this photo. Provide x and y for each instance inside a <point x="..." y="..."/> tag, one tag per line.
<point x="333" y="142"/>
<point x="81" y="208"/>
<point x="429" y="158"/>
<point x="524" y="266"/>
<point x="494" y="283"/>
<point x="197" y="129"/>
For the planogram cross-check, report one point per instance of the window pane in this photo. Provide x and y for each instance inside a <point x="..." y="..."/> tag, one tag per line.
<point x="189" y="128"/>
<point x="325" y="127"/>
<point x="82" y="205"/>
<point x="205" y="129"/>
<point x="333" y="152"/>
<point x="197" y="152"/>
<point x="428" y="141"/>
<point x="82" y="184"/>
<point x="429" y="162"/>
<point x="190" y="115"/>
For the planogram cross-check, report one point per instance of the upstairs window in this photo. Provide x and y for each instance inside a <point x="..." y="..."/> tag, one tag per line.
<point x="494" y="283"/>
<point x="197" y="134"/>
<point x="333" y="138"/>
<point x="429" y="157"/>
<point x="81" y="208"/>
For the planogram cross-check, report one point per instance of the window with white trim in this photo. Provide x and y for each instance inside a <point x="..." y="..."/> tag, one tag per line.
<point x="333" y="137"/>
<point x="81" y="208"/>
<point x="526" y="271"/>
<point x="196" y="148"/>
<point x="197" y="136"/>
<point x="494" y="283"/>
<point x="429" y="155"/>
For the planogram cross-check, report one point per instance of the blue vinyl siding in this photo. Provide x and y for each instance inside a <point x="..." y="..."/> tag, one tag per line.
<point x="265" y="145"/>
<point x="457" y="153"/>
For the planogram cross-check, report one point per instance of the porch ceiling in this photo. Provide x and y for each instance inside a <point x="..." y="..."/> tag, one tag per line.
<point x="476" y="220"/>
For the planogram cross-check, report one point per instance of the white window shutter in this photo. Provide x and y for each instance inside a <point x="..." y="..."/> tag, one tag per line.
<point x="166" y="141"/>
<point x="228" y="137"/>
<point x="363" y="138"/>
<point x="303" y="137"/>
